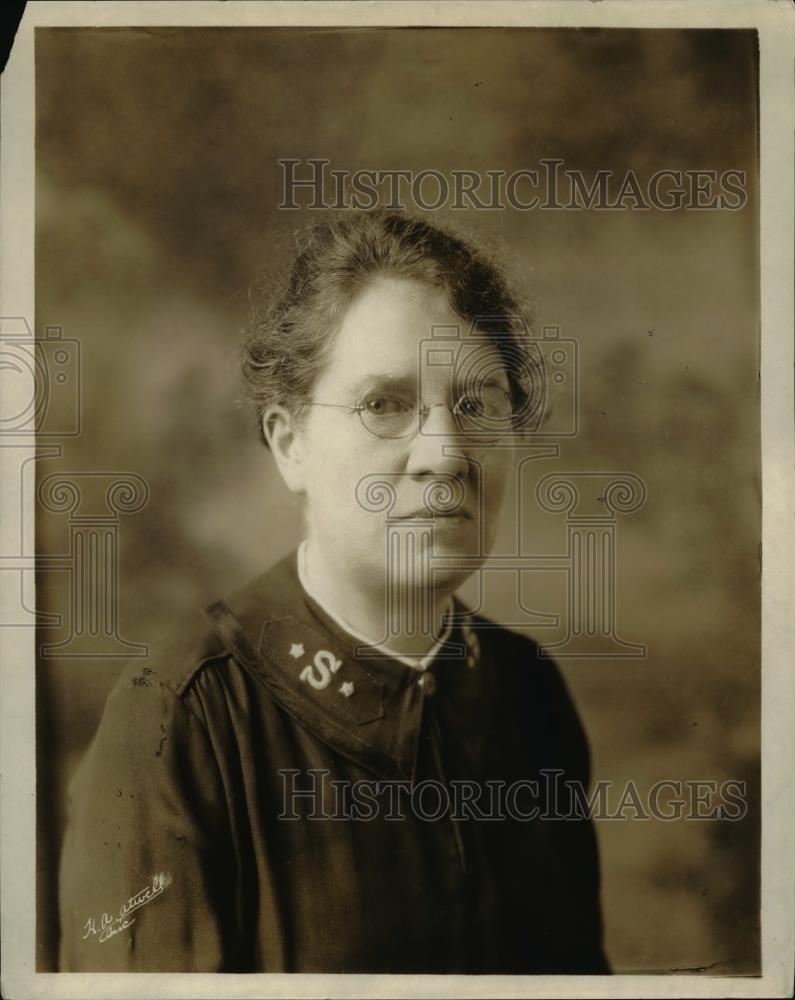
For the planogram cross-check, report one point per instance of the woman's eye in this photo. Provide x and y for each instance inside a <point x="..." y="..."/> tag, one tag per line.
<point x="386" y="406"/>
<point x="471" y="406"/>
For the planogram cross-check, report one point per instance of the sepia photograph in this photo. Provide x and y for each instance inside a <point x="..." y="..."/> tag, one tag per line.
<point x="388" y="460"/>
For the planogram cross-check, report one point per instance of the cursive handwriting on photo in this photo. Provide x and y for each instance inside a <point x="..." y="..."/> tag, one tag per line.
<point x="109" y="926"/>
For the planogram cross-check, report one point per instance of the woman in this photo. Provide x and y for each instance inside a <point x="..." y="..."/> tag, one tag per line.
<point x="342" y="769"/>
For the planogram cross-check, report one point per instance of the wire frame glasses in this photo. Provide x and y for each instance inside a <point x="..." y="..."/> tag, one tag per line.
<point x="483" y="414"/>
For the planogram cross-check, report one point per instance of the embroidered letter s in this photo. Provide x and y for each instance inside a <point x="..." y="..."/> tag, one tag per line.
<point x="319" y="675"/>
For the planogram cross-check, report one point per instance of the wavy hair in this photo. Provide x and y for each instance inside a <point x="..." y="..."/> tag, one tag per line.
<point x="292" y="331"/>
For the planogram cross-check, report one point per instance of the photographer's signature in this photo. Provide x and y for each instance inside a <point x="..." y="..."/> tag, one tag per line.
<point x="108" y="926"/>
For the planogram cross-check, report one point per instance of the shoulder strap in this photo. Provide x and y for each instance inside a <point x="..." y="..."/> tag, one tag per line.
<point x="336" y="723"/>
<point x="231" y="633"/>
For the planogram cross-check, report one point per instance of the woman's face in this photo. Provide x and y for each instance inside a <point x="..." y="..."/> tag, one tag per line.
<point x="380" y="351"/>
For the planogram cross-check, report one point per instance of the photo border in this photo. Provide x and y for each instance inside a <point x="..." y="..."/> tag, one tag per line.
<point x="775" y="23"/>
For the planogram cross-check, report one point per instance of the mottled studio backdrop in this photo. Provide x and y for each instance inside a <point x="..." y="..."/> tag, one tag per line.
<point x="156" y="194"/>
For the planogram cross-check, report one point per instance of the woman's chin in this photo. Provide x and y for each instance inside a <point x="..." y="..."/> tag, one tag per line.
<point x="441" y="578"/>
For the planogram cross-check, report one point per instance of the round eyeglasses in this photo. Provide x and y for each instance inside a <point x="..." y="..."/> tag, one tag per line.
<point x="483" y="414"/>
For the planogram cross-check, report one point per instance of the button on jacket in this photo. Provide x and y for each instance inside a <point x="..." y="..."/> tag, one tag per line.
<point x="268" y="795"/>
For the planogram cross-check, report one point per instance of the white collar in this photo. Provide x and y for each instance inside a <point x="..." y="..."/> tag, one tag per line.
<point x="417" y="663"/>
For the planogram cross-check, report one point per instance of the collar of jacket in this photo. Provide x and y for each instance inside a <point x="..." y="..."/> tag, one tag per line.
<point x="366" y="707"/>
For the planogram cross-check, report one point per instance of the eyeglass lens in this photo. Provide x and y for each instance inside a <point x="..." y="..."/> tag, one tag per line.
<point x="483" y="413"/>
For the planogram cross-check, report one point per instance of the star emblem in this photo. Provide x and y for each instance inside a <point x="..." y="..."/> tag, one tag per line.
<point x="347" y="688"/>
<point x="296" y="650"/>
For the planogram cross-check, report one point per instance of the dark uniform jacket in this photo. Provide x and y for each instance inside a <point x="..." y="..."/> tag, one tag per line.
<point x="187" y="848"/>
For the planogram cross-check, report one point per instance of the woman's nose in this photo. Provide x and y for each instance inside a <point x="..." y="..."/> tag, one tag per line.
<point x="441" y="424"/>
<point x="438" y="447"/>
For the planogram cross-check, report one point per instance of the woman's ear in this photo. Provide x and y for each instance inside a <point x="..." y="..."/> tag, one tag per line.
<point x="284" y="437"/>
